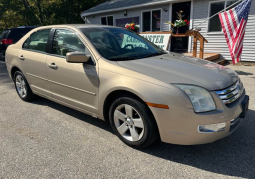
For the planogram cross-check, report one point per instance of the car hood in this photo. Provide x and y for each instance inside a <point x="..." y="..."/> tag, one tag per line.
<point x="176" y="68"/>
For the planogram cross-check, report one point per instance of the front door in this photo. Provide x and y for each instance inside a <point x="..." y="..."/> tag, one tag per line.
<point x="74" y="84"/>
<point x="180" y="44"/>
<point x="32" y="61"/>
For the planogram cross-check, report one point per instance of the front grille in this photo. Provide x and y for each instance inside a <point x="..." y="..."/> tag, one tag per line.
<point x="232" y="93"/>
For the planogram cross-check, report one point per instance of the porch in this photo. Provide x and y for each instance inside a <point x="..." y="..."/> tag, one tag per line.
<point x="213" y="57"/>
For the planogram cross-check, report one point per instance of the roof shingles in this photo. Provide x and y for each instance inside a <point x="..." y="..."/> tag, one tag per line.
<point x="118" y="4"/>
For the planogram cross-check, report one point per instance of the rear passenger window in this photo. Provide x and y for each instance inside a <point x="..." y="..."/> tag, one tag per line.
<point x="25" y="44"/>
<point x="38" y="40"/>
<point x="66" y="41"/>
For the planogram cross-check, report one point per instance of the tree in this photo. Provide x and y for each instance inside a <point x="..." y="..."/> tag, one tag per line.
<point x="15" y="13"/>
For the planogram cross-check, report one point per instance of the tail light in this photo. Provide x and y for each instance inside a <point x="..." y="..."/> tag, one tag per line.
<point x="6" y="41"/>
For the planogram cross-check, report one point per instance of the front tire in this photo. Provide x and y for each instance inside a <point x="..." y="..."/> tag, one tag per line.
<point x="133" y="122"/>
<point x="22" y="87"/>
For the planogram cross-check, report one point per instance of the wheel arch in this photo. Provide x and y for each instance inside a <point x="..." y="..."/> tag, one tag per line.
<point x="13" y="70"/>
<point x="119" y="93"/>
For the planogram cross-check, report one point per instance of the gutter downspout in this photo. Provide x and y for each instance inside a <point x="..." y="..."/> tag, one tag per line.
<point x="84" y="18"/>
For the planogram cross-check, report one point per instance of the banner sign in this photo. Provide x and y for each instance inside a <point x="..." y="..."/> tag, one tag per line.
<point x="161" y="40"/>
<point x="129" y="40"/>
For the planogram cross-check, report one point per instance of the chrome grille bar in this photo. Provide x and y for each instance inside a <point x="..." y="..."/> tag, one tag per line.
<point x="229" y="95"/>
<point x="233" y="98"/>
<point x="232" y="93"/>
<point x="228" y="90"/>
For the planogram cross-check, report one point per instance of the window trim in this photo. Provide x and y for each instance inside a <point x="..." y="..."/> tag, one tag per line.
<point x="27" y="44"/>
<point x="150" y="10"/>
<point x="209" y="12"/>
<point x="78" y="36"/>
<point x="113" y="24"/>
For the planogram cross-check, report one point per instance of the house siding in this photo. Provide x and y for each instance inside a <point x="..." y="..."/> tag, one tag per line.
<point x="216" y="42"/>
<point x="133" y="13"/>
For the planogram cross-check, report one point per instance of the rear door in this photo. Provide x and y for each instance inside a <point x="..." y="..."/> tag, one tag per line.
<point x="75" y="84"/>
<point x="33" y="61"/>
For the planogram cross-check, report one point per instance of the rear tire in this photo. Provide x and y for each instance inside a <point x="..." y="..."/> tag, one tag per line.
<point x="133" y="122"/>
<point x="22" y="87"/>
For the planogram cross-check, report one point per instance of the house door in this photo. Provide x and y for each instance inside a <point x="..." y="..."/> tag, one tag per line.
<point x="180" y="44"/>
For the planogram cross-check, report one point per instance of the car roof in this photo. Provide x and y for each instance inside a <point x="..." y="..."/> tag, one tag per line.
<point x="22" y="27"/>
<point x="76" y="26"/>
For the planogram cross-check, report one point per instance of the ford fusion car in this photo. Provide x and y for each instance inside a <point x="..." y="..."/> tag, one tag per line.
<point x="146" y="93"/>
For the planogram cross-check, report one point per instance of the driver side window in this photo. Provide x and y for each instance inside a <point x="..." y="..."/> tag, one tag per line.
<point x="66" y="41"/>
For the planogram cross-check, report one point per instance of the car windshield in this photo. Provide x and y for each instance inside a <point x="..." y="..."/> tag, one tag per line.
<point x="120" y="44"/>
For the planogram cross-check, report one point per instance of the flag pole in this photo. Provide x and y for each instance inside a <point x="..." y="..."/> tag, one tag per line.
<point x="216" y="14"/>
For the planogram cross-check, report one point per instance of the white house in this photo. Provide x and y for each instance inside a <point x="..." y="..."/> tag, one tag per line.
<point x="120" y="12"/>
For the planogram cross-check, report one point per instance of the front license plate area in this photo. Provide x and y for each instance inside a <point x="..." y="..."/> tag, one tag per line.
<point x="245" y="106"/>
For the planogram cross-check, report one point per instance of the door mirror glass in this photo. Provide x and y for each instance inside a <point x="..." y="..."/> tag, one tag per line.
<point x="77" y="57"/>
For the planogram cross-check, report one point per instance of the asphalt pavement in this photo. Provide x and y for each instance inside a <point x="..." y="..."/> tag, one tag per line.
<point x="43" y="139"/>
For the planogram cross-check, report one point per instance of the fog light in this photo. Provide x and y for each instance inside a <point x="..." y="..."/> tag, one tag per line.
<point x="212" y="128"/>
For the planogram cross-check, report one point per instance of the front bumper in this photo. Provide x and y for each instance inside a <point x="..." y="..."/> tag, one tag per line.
<point x="180" y="125"/>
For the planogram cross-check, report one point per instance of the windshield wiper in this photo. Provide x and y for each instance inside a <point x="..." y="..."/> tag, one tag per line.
<point x="153" y="54"/>
<point x="121" y="58"/>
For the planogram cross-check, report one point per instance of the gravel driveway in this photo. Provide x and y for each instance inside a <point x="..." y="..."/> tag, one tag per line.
<point x="43" y="139"/>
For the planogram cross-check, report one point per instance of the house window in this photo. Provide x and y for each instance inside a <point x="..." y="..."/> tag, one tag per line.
<point x="150" y="22"/>
<point x="107" y="20"/>
<point x="215" y="7"/>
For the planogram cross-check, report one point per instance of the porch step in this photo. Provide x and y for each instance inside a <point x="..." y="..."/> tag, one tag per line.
<point x="207" y="56"/>
<point x="219" y="61"/>
<point x="211" y="56"/>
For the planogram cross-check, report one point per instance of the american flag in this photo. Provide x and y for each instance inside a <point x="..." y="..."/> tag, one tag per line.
<point x="233" y="23"/>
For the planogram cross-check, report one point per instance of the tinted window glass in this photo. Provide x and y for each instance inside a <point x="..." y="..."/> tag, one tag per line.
<point x="146" y="21"/>
<point x="25" y="45"/>
<point x="18" y="33"/>
<point x="155" y="21"/>
<point x="103" y="21"/>
<point x="110" y="20"/>
<point x="229" y="3"/>
<point x="38" y="40"/>
<point x="214" y="23"/>
<point x="66" y="41"/>
<point x="117" y="43"/>
<point x="4" y="34"/>
<point x="107" y="20"/>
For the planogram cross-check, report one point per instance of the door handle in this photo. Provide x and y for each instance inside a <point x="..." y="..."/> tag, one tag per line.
<point x="21" y="57"/>
<point x="52" y="65"/>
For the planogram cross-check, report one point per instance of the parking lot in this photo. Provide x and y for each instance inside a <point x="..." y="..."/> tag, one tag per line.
<point x="43" y="139"/>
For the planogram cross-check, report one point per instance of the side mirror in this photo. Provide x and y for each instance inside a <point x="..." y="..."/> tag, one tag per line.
<point x="77" y="57"/>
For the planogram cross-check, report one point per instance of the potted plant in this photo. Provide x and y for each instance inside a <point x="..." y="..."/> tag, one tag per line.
<point x="132" y="26"/>
<point x="180" y="26"/>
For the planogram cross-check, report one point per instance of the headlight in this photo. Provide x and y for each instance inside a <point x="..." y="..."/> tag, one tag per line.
<point x="201" y="99"/>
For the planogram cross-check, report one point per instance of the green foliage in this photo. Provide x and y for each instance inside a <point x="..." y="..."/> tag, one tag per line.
<point x="179" y="23"/>
<point x="15" y="13"/>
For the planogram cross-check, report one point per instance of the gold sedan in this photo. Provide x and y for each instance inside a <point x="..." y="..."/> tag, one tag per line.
<point x="146" y="93"/>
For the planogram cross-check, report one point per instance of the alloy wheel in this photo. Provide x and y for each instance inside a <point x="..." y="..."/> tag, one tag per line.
<point x="21" y="86"/>
<point x="128" y="122"/>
